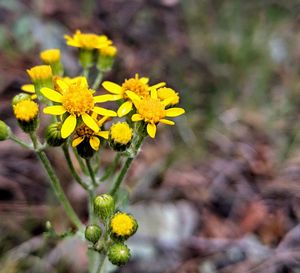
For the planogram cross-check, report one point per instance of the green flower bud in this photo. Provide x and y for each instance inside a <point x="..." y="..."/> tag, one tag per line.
<point x="104" y="206"/>
<point x="53" y="134"/>
<point x="118" y="254"/>
<point x="20" y="97"/>
<point x="122" y="226"/>
<point x="4" y="131"/>
<point x="93" y="233"/>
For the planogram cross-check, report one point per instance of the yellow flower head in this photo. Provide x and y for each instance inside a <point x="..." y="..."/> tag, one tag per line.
<point x="83" y="132"/>
<point x="121" y="133"/>
<point x="26" y="110"/>
<point x="77" y="100"/>
<point x="152" y="111"/>
<point x="87" y="41"/>
<point x="137" y="85"/>
<point x="169" y="94"/>
<point x="123" y="225"/>
<point x="40" y="73"/>
<point x="50" y="56"/>
<point x="109" y="51"/>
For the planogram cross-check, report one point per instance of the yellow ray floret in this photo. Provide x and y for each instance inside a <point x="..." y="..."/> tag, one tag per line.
<point x="152" y="111"/>
<point x="29" y="88"/>
<point x="87" y="41"/>
<point x="26" y="110"/>
<point x="50" y="56"/>
<point x="137" y="85"/>
<point x="76" y="100"/>
<point x="166" y="93"/>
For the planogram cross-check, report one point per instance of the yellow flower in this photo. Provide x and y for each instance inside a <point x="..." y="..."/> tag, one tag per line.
<point x="137" y="85"/>
<point x="152" y="111"/>
<point x="120" y="133"/>
<point x="26" y="110"/>
<point x="169" y="94"/>
<point x="40" y="73"/>
<point x="85" y="133"/>
<point x="123" y="225"/>
<point x="109" y="51"/>
<point x="87" y="40"/>
<point x="77" y="100"/>
<point x="50" y="56"/>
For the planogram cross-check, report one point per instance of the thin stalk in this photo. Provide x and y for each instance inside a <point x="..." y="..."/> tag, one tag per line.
<point x="91" y="172"/>
<point x="80" y="161"/>
<point x="98" y="80"/>
<point x="20" y="142"/>
<point x="85" y="73"/>
<point x="102" y="264"/>
<point x="71" y="167"/>
<point x="111" y="168"/>
<point x="125" y="167"/>
<point x="56" y="184"/>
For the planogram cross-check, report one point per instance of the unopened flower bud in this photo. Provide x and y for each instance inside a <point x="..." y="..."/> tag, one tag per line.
<point x="4" y="131"/>
<point x="19" y="97"/>
<point x="53" y="134"/>
<point x="118" y="254"/>
<point x="26" y="113"/>
<point x="122" y="226"/>
<point x="120" y="135"/>
<point x="93" y="233"/>
<point x="104" y="206"/>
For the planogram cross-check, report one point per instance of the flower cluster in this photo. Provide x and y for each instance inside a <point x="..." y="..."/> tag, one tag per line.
<point x="80" y="123"/>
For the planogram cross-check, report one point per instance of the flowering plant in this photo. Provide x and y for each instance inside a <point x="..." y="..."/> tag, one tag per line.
<point x="80" y="125"/>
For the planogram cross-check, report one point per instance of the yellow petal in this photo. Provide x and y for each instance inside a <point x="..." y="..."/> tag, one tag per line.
<point x="62" y="85"/>
<point x="144" y="80"/>
<point x="174" y="112"/>
<point x="95" y="142"/>
<point x="28" y="88"/>
<point x="77" y="141"/>
<point x="108" y="97"/>
<point x="104" y="112"/>
<point x="136" y="117"/>
<point x="125" y="108"/>
<point x="90" y="122"/>
<point x="68" y="126"/>
<point x="158" y="85"/>
<point x="151" y="129"/>
<point x="112" y="87"/>
<point x="167" y="101"/>
<point x="102" y="120"/>
<point x="51" y="94"/>
<point x="103" y="134"/>
<point x="133" y="96"/>
<point x="166" y="121"/>
<point x="54" y="110"/>
<point x="154" y="94"/>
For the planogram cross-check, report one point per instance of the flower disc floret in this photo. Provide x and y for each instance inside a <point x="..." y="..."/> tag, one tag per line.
<point x="152" y="110"/>
<point x="121" y="133"/>
<point x="26" y="110"/>
<point x="122" y="225"/>
<point x="137" y="86"/>
<point x="78" y="101"/>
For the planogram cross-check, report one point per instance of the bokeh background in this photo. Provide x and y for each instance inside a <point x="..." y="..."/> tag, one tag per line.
<point x="220" y="191"/>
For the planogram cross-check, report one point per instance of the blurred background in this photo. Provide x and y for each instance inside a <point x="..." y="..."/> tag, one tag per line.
<point x="220" y="191"/>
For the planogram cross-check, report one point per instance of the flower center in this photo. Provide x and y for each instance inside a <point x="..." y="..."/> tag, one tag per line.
<point x="136" y="86"/>
<point x="78" y="100"/>
<point x="121" y="132"/>
<point x="84" y="131"/>
<point x="152" y="110"/>
<point x="26" y="110"/>
<point x="88" y="40"/>
<point x="122" y="224"/>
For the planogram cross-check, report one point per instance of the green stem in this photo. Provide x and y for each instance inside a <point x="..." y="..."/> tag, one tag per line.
<point x="102" y="264"/>
<point x="111" y="168"/>
<point x="56" y="184"/>
<point x="20" y="142"/>
<point x="85" y="73"/>
<point x="91" y="196"/>
<point x="71" y="167"/>
<point x="125" y="167"/>
<point x="91" y="172"/>
<point x="97" y="80"/>
<point x="80" y="162"/>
